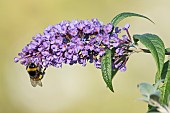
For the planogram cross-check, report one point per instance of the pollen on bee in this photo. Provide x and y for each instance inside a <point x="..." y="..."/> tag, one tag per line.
<point x="31" y="69"/>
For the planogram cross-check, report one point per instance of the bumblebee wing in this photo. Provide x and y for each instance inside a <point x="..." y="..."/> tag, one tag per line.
<point x="33" y="83"/>
<point x="39" y="83"/>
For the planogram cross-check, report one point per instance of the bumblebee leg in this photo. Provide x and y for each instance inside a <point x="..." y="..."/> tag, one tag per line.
<point x="43" y="73"/>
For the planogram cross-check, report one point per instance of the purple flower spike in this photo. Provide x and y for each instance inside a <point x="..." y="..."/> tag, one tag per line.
<point x="79" y="41"/>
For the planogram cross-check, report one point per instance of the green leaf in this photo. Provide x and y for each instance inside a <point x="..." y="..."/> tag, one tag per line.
<point x="166" y="86"/>
<point x="149" y="92"/>
<point x="124" y="15"/>
<point x="156" y="47"/>
<point x="114" y="71"/>
<point x="167" y="50"/>
<point x="146" y="89"/>
<point x="106" y="67"/>
<point x="165" y="70"/>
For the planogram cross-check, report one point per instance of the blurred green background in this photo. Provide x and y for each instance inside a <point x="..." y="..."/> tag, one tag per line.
<point x="74" y="89"/>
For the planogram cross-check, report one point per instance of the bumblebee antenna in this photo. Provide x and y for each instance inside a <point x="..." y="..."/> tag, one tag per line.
<point x="44" y="71"/>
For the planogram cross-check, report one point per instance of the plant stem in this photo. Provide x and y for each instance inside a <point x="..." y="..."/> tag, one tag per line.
<point x="145" y="51"/>
<point x="129" y="35"/>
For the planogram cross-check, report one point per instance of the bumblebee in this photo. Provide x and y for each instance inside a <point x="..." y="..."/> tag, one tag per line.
<point x="35" y="74"/>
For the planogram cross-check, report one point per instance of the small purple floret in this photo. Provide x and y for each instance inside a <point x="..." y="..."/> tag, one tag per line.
<point x="16" y="59"/>
<point x="126" y="27"/>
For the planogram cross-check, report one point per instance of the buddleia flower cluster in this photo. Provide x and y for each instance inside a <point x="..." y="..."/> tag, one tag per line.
<point x="79" y="41"/>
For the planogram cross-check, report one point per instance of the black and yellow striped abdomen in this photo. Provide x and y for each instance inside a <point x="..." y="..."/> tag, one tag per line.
<point x="34" y="73"/>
